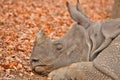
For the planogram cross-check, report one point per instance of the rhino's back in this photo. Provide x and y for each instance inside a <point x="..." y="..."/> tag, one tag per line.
<point x="108" y="61"/>
<point x="110" y="27"/>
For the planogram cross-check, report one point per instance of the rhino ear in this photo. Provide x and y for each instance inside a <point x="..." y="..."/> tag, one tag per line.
<point x="79" y="8"/>
<point x="41" y="37"/>
<point x="78" y="16"/>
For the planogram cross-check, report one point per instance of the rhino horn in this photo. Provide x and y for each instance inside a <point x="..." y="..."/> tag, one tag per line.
<point x="78" y="16"/>
<point x="41" y="37"/>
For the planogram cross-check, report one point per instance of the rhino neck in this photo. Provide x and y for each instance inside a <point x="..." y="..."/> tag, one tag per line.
<point x="95" y="38"/>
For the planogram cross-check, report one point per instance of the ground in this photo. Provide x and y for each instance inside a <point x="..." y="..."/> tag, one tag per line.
<point x="20" y="20"/>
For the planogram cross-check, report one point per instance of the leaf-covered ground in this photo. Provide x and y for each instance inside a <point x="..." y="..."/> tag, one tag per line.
<point x="20" y="20"/>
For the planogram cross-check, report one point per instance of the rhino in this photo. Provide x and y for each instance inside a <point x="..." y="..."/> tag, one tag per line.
<point x="88" y="51"/>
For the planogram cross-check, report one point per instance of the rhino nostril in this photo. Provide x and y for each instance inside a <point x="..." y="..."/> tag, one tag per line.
<point x="42" y="65"/>
<point x="35" y="60"/>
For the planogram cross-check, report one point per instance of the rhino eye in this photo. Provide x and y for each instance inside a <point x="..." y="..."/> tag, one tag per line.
<point x="58" y="45"/>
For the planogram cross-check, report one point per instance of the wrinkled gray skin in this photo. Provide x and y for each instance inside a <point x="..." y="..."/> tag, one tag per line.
<point x="48" y="55"/>
<point x="89" y="50"/>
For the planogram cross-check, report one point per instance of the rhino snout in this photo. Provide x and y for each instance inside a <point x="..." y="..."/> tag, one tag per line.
<point x="40" y="66"/>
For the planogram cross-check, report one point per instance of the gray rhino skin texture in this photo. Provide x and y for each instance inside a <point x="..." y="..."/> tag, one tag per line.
<point x="88" y="51"/>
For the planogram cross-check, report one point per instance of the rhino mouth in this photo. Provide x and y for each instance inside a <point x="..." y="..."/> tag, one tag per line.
<point x="43" y="69"/>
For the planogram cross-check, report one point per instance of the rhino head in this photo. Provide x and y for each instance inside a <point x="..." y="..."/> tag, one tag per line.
<point x="48" y="55"/>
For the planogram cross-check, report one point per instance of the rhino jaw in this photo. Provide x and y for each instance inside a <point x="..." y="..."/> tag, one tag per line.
<point x="43" y="69"/>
